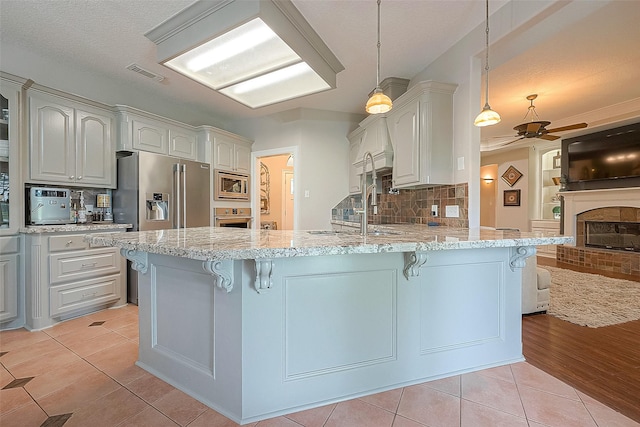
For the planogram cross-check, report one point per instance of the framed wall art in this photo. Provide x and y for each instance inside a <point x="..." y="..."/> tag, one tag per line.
<point x="511" y="198"/>
<point x="511" y="176"/>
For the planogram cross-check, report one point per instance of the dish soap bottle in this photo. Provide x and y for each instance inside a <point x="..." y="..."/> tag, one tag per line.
<point x="82" y="211"/>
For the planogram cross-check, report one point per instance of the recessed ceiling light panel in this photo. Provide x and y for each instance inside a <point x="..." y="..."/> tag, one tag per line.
<point x="257" y="52"/>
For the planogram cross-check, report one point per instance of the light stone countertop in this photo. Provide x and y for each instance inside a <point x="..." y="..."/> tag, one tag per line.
<point x="224" y="243"/>
<point x="38" y="229"/>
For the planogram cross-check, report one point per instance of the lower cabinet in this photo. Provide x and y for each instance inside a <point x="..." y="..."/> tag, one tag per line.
<point x="545" y="226"/>
<point x="68" y="277"/>
<point x="9" y="279"/>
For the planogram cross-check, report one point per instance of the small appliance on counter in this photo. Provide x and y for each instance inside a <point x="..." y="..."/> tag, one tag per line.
<point x="48" y="205"/>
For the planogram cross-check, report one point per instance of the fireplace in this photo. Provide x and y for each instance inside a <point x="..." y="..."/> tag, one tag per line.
<point x="604" y="209"/>
<point x="620" y="236"/>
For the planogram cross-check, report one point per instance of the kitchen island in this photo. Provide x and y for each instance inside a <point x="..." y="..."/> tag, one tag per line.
<point x="259" y="323"/>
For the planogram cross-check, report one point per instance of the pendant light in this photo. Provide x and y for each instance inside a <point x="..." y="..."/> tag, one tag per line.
<point x="379" y="102"/>
<point x="487" y="116"/>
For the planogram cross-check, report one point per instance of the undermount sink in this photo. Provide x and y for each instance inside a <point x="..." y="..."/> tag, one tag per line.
<point x="323" y="232"/>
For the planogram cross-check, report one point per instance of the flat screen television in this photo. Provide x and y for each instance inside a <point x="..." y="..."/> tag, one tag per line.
<point x="608" y="155"/>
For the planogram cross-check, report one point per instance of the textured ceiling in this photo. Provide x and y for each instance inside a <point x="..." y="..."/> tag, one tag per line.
<point x="586" y="63"/>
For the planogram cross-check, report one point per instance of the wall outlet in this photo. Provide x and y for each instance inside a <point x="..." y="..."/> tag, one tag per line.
<point x="306" y="193"/>
<point x="452" y="211"/>
<point x="460" y="163"/>
<point x="434" y="210"/>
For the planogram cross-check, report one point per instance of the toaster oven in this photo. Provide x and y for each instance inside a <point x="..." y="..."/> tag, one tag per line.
<point x="48" y="205"/>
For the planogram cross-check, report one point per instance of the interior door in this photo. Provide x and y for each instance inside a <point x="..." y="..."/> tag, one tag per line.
<point x="287" y="200"/>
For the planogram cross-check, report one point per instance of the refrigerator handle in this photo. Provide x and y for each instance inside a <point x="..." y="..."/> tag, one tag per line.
<point x="176" y="202"/>
<point x="184" y="194"/>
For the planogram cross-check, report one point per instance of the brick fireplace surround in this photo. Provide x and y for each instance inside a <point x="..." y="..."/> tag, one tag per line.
<point x="616" y="204"/>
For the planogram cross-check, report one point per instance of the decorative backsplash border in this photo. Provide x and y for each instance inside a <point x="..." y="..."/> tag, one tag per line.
<point x="412" y="206"/>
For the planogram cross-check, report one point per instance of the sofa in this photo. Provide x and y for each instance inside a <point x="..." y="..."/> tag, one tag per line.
<point x="536" y="282"/>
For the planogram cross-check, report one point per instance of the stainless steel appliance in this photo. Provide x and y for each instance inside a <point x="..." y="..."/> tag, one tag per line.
<point x="233" y="217"/>
<point x="48" y="205"/>
<point x="231" y="186"/>
<point x="157" y="192"/>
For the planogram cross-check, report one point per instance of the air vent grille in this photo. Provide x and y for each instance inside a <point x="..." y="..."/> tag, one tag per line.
<point x="138" y="69"/>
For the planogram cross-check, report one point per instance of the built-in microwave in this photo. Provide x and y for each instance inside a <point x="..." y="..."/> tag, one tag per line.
<point x="231" y="186"/>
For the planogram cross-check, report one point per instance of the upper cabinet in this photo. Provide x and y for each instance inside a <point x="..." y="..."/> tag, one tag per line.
<point x="231" y="152"/>
<point x="139" y="130"/>
<point x="421" y="130"/>
<point x="70" y="142"/>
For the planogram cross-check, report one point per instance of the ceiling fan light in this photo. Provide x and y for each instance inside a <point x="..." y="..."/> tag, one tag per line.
<point x="487" y="117"/>
<point x="378" y="103"/>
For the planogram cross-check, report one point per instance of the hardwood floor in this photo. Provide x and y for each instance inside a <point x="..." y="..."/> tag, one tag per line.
<point x="601" y="362"/>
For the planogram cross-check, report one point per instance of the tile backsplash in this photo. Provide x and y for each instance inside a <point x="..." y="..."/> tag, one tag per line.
<point x="411" y="206"/>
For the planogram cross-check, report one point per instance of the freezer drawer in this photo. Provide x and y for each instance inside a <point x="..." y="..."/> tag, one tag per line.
<point x="69" y="266"/>
<point x="83" y="294"/>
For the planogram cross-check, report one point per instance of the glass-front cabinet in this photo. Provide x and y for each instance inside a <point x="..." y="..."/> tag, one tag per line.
<point x="11" y="290"/>
<point x="9" y="155"/>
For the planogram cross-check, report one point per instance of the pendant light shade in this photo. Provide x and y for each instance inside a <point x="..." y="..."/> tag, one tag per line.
<point x="378" y="102"/>
<point x="487" y="116"/>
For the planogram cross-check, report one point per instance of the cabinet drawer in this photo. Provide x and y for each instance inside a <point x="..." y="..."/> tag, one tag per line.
<point x="83" y="294"/>
<point x="9" y="245"/>
<point x="67" y="242"/>
<point x="80" y="265"/>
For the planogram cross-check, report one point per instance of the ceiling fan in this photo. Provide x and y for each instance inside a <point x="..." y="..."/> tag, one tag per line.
<point x="536" y="128"/>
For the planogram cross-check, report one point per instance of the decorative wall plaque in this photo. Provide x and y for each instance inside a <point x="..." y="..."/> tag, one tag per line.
<point x="511" y="198"/>
<point x="511" y="176"/>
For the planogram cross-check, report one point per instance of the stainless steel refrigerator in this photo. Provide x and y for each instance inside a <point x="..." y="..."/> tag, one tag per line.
<point x="157" y="192"/>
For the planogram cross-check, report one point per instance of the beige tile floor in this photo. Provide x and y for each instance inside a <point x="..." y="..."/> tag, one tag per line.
<point x="82" y="373"/>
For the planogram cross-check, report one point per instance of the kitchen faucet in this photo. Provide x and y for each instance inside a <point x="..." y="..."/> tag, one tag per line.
<point x="371" y="189"/>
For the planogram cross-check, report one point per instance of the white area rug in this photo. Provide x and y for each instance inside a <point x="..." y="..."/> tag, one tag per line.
<point x="592" y="300"/>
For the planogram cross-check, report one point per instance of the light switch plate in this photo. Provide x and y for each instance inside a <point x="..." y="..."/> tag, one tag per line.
<point x="452" y="211"/>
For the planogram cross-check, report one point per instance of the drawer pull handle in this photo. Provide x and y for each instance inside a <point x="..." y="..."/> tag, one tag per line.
<point x="69" y="243"/>
<point x="91" y="264"/>
<point x="92" y="294"/>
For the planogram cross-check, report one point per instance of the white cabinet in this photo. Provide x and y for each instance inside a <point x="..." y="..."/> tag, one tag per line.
<point x="69" y="277"/>
<point x="546" y="226"/>
<point x="355" y="153"/>
<point x="421" y="130"/>
<point x="70" y="142"/>
<point x="231" y="153"/>
<point x="139" y="130"/>
<point x="9" y="275"/>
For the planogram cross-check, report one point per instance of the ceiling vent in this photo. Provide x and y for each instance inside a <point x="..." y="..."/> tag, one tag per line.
<point x="138" y="69"/>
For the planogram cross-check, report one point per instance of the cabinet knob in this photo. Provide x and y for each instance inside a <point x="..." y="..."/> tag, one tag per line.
<point x="72" y="177"/>
<point x="79" y="178"/>
<point x="69" y="242"/>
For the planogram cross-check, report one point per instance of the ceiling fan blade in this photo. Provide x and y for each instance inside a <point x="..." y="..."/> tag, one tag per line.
<point x="533" y="127"/>
<point x="494" y="145"/>
<point x="548" y="137"/>
<point x="570" y="127"/>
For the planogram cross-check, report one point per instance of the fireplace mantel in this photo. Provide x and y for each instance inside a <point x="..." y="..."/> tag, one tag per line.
<point x="576" y="202"/>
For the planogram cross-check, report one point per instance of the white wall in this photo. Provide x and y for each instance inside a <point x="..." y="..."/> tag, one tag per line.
<point x="323" y="154"/>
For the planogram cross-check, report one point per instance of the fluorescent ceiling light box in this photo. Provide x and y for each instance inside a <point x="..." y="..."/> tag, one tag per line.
<point x="256" y="52"/>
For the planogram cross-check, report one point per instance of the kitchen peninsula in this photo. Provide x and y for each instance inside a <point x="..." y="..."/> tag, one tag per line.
<point x="258" y="323"/>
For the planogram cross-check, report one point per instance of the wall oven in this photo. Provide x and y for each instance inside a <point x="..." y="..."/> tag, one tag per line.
<point x="232" y="217"/>
<point x="231" y="186"/>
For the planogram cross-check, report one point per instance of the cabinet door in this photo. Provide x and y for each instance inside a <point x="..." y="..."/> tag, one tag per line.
<point x="354" y="172"/>
<point x="223" y="154"/>
<point x="95" y="155"/>
<point x="149" y="136"/>
<point x="52" y="142"/>
<point x="242" y="158"/>
<point x="182" y="143"/>
<point x="8" y="287"/>
<point x="405" y="137"/>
